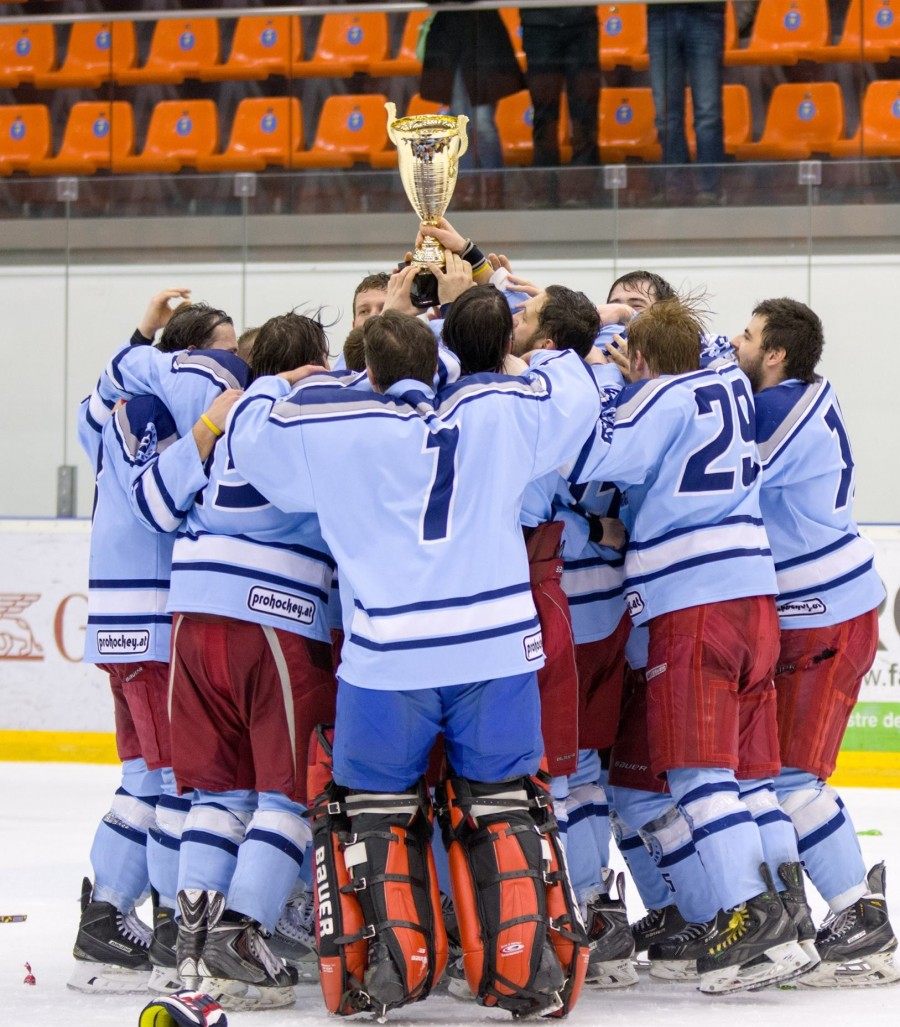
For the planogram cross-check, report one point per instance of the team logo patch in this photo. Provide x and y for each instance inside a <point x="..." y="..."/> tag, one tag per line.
<point x="512" y="948"/>
<point x="281" y="604"/>
<point x="801" y="608"/>
<point x="635" y="603"/>
<point x="534" y="646"/>
<point x="654" y="672"/>
<point x="109" y="643"/>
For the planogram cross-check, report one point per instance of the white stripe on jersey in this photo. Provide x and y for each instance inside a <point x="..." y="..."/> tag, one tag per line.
<point x="703" y="542"/>
<point x="126" y="601"/>
<point x="600" y="578"/>
<point x="163" y="518"/>
<point x="811" y="575"/>
<point x="254" y="556"/>
<point x="444" y="621"/>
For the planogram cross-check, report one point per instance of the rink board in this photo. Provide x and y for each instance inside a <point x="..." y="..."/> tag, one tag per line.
<point x="55" y="708"/>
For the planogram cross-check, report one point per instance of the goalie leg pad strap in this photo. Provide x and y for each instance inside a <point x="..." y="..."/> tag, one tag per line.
<point x="521" y="934"/>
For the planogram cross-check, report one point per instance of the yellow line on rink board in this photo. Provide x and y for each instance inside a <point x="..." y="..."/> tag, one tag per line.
<point x="854" y="769"/>
<point x="58" y="747"/>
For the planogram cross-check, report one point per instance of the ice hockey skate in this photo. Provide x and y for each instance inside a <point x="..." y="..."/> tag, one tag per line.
<point x="798" y="910"/>
<point x="237" y="968"/>
<point x="857" y="946"/>
<point x="656" y="925"/>
<point x="193" y="908"/>
<point x="612" y="943"/>
<point x="164" y="978"/>
<point x="675" y="958"/>
<point x="294" y="937"/>
<point x="111" y="949"/>
<point x="754" y="946"/>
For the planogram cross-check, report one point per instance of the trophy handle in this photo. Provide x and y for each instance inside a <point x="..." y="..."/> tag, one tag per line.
<point x="391" y="109"/>
<point x="461" y="123"/>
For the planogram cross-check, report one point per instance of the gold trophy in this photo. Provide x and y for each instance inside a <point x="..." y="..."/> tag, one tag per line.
<point x="428" y="150"/>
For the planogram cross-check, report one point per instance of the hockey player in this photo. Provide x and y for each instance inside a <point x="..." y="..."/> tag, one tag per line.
<point x="828" y="598"/>
<point x="441" y="634"/>
<point x="251" y="677"/>
<point x="683" y="448"/>
<point x="137" y="842"/>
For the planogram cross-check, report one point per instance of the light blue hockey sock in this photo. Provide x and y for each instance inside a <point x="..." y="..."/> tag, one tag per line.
<point x="827" y="840"/>
<point x="164" y="839"/>
<point x="213" y="831"/>
<point x="269" y="858"/>
<point x="653" y="890"/>
<point x="587" y="829"/>
<point x="724" y="833"/>
<point x="779" y="840"/>
<point x="119" y="849"/>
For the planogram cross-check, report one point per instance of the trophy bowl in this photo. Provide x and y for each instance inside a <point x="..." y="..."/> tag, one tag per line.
<point x="429" y="147"/>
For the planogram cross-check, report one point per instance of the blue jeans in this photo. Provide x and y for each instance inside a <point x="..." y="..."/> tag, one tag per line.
<point x="686" y="44"/>
<point x="484" y="140"/>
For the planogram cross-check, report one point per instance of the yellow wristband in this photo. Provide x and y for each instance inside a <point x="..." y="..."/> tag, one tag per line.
<point x="216" y="431"/>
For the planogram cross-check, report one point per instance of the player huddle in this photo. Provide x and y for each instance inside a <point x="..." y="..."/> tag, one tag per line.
<point x="548" y="585"/>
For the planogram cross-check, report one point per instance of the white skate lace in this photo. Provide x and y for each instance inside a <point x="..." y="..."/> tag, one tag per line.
<point x="297" y="921"/>
<point x="843" y="923"/>
<point x="690" y="932"/>
<point x="134" y="930"/>
<point x="261" y="952"/>
<point x="649" y="922"/>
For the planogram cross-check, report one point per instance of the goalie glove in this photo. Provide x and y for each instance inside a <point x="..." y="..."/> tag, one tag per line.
<point x="183" y="1009"/>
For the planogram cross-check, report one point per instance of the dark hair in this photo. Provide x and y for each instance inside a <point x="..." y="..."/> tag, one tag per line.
<point x="668" y="336"/>
<point x="478" y="329"/>
<point x="288" y="341"/>
<point x="399" y="346"/>
<point x="569" y="319"/>
<point x="792" y="326"/>
<point x="192" y="327"/>
<point x="376" y="282"/>
<point x="655" y="283"/>
<point x="355" y="350"/>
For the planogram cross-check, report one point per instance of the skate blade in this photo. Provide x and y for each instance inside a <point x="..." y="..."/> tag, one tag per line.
<point x="776" y="965"/>
<point x="614" y="973"/>
<point x="674" y="969"/>
<point x="865" y="972"/>
<point x="107" y="978"/>
<point x="460" y="989"/>
<point x="164" y="980"/>
<point x="240" y="995"/>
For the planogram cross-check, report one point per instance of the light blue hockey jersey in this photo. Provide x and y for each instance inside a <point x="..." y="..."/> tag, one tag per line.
<point x="683" y="448"/>
<point x="142" y="465"/>
<point x="422" y="510"/>
<point x="825" y="568"/>
<point x="239" y="556"/>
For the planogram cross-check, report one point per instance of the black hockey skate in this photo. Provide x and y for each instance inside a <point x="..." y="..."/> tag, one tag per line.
<point x="612" y="943"/>
<point x="675" y="958"/>
<point x="798" y="910"/>
<point x="656" y="925"/>
<point x="294" y="937"/>
<point x="164" y="978"/>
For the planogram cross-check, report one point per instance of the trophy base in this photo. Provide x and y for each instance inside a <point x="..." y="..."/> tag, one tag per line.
<point x="423" y="292"/>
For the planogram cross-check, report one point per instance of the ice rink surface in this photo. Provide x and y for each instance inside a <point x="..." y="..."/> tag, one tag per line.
<point x="49" y="813"/>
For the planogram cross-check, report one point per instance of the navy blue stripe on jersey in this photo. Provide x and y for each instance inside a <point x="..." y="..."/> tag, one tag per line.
<point x="444" y="640"/>
<point x="824" y="586"/>
<point x="596" y="596"/>
<point x="129" y="583"/>
<point x="313" y="554"/>
<point x="697" y="561"/>
<point x="818" y="554"/>
<point x="755" y="522"/>
<point x="438" y="604"/>
<point x="593" y="561"/>
<point x="136" y="618"/>
<point x="252" y="574"/>
<point x="771" y="448"/>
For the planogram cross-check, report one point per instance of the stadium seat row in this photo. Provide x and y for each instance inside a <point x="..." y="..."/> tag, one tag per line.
<point x="784" y="32"/>
<point x="802" y="120"/>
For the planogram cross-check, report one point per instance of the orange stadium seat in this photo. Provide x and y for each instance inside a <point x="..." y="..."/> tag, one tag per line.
<point x="784" y="32"/>
<point x="348" y="44"/>
<point x="513" y="23"/>
<point x="627" y="128"/>
<point x="24" y="136"/>
<point x="803" y="118"/>
<point x="406" y="62"/>
<point x="97" y="134"/>
<point x="25" y="51"/>
<point x="180" y="48"/>
<point x="515" y="118"/>
<point x="265" y="131"/>
<point x="623" y="36"/>
<point x="179" y="134"/>
<point x="417" y="105"/>
<point x="736" y="115"/>
<point x="96" y="51"/>
<point x="878" y="134"/>
<point x="871" y="33"/>
<point x="262" y="46"/>
<point x="351" y="129"/>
